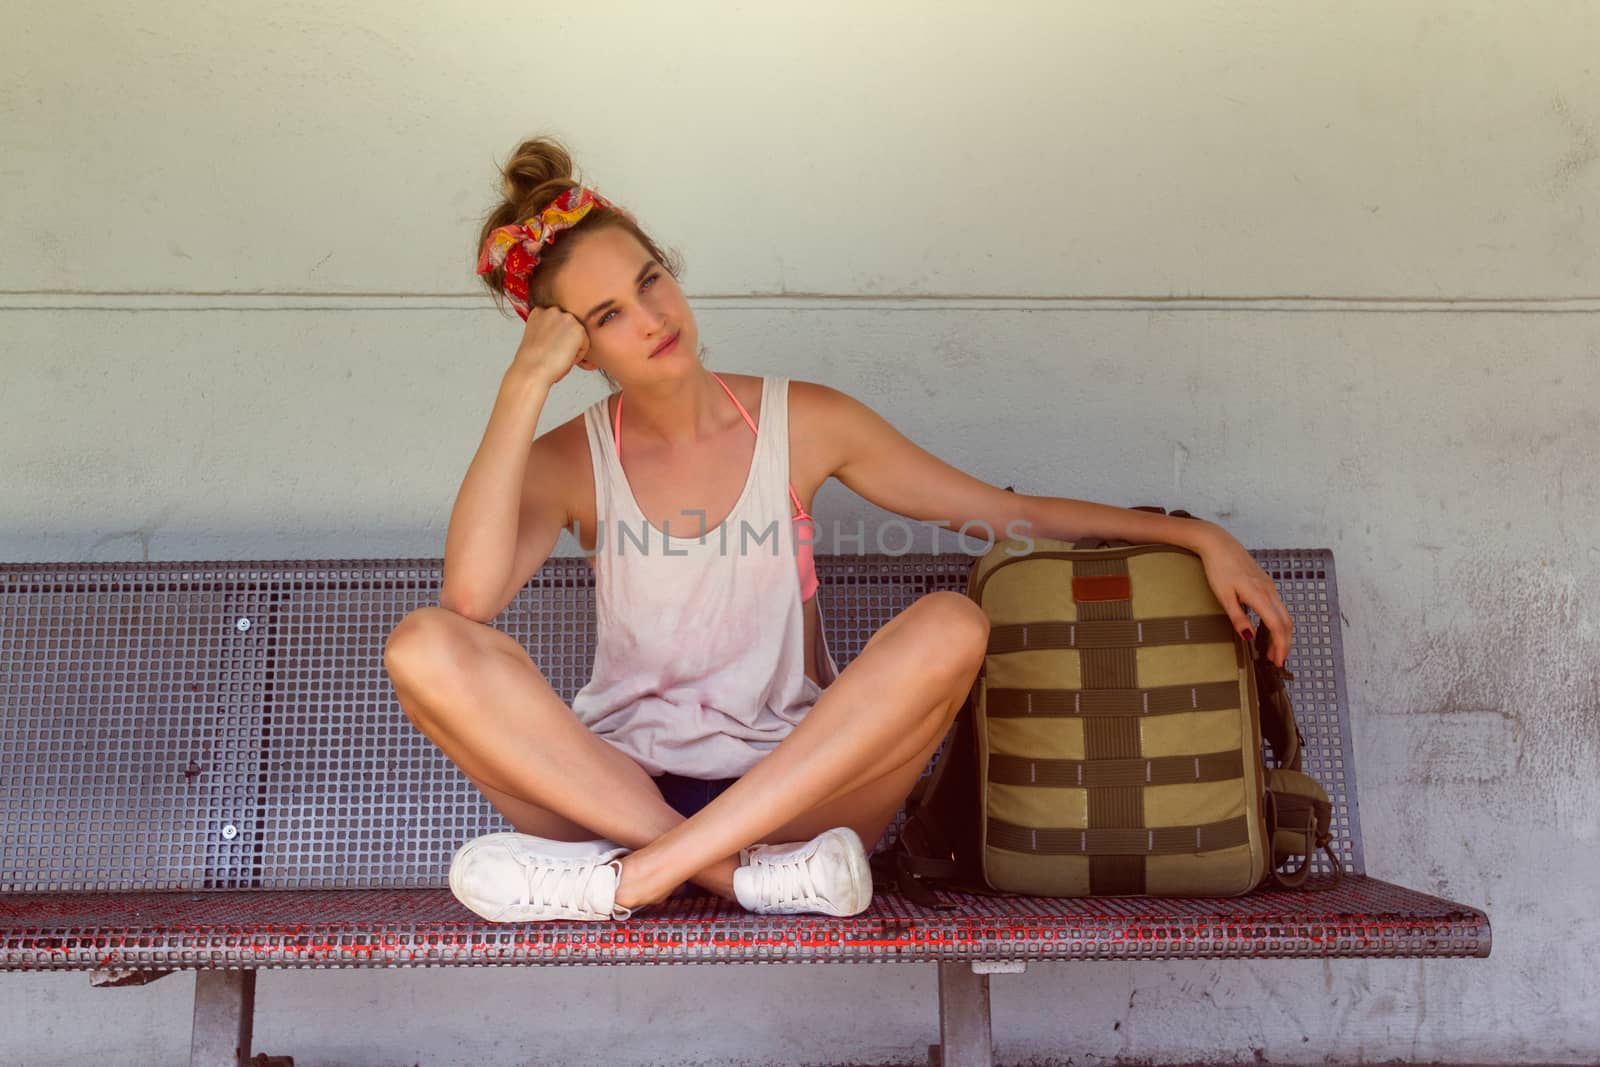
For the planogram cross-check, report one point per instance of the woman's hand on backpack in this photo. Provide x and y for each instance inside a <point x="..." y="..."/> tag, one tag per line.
<point x="553" y="341"/>
<point x="1238" y="582"/>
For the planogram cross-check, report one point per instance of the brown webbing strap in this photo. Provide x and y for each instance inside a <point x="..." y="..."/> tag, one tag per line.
<point x="1100" y="774"/>
<point x="1109" y="741"/>
<point x="1152" y="841"/>
<point x="1084" y="703"/>
<point x="1109" y="633"/>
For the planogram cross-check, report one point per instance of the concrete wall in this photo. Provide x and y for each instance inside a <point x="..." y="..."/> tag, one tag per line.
<point x="1325" y="272"/>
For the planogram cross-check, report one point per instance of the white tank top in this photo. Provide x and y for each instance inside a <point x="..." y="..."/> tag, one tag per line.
<point x="700" y="665"/>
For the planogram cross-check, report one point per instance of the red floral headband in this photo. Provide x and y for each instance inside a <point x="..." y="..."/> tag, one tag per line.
<point x="518" y="246"/>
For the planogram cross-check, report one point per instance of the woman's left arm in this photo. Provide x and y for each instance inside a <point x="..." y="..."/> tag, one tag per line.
<point x="882" y="465"/>
<point x="1235" y="577"/>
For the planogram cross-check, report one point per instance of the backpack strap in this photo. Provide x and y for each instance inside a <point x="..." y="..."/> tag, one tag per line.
<point x="1298" y="819"/>
<point x="1278" y="723"/>
<point x="939" y="844"/>
<point x="1299" y="814"/>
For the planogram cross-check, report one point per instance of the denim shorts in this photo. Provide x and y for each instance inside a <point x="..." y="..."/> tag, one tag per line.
<point x="689" y="795"/>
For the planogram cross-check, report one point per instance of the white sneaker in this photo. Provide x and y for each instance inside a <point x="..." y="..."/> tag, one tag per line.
<point x="828" y="874"/>
<point x="511" y="877"/>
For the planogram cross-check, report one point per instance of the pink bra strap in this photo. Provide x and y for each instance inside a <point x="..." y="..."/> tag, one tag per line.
<point x="752" y="423"/>
<point x="616" y="435"/>
<point x="616" y="429"/>
<point x="748" y="420"/>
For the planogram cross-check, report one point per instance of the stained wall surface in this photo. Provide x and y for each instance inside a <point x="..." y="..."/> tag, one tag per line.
<point x="1326" y="273"/>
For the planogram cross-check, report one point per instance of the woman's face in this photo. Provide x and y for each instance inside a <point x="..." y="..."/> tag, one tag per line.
<point x="629" y="304"/>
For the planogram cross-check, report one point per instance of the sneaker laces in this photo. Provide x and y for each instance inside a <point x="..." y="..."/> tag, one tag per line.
<point x="566" y="885"/>
<point x="784" y="882"/>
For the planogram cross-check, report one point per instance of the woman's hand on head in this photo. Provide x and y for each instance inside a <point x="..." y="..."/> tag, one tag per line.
<point x="553" y="341"/>
<point x="1238" y="582"/>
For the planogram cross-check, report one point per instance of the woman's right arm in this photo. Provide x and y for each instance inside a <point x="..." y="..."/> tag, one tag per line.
<point x="504" y="512"/>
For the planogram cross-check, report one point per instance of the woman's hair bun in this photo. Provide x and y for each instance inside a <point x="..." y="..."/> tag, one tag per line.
<point x="540" y="168"/>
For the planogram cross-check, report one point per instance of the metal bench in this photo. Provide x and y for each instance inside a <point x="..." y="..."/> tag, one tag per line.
<point x="204" y="768"/>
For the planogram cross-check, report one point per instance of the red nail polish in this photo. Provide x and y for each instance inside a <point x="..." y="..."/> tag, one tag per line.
<point x="1249" y="634"/>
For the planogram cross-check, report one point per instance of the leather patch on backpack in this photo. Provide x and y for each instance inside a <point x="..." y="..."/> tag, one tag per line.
<point x="1101" y="587"/>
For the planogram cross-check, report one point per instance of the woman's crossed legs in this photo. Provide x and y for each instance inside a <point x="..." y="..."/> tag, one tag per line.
<point x="475" y="692"/>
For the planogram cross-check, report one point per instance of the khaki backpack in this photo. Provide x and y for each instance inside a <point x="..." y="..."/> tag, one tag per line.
<point x="1112" y="742"/>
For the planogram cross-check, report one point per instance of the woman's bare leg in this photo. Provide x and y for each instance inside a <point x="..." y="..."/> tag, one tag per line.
<point x="475" y="692"/>
<point x="852" y="758"/>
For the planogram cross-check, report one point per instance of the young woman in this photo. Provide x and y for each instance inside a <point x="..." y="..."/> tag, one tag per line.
<point x="717" y="741"/>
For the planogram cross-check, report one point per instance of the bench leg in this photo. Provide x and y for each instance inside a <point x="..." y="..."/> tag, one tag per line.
<point x="224" y="1015"/>
<point x="964" y="1037"/>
